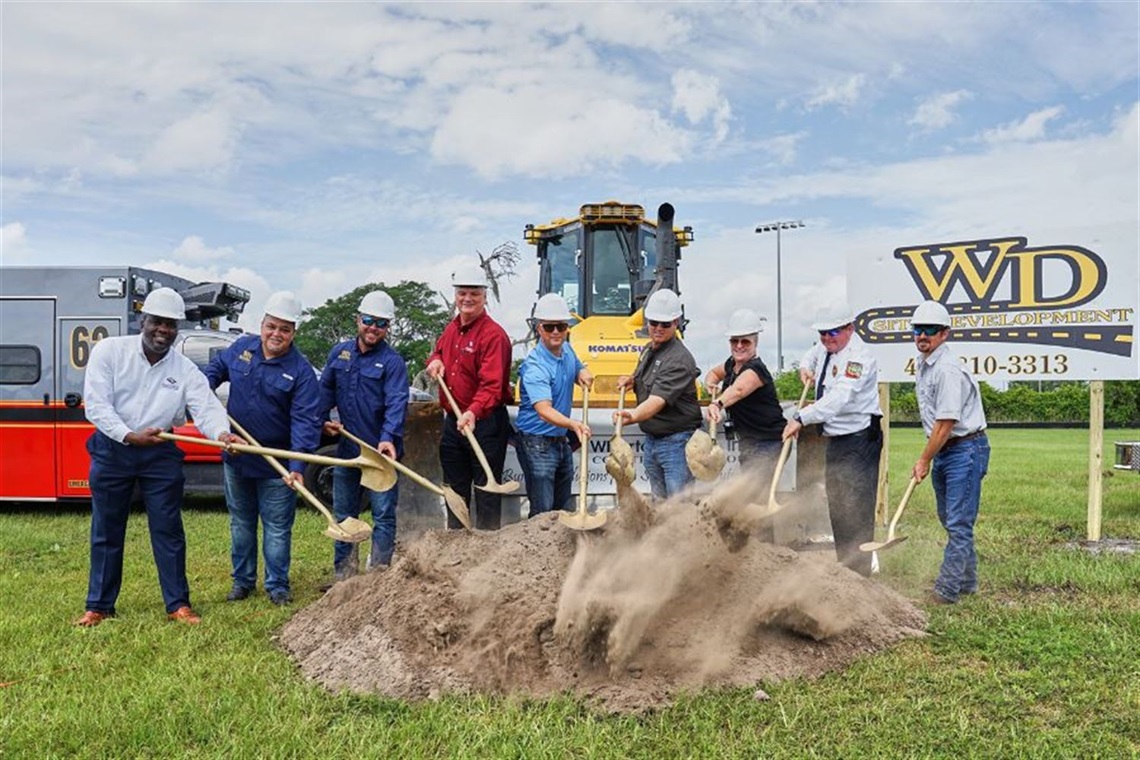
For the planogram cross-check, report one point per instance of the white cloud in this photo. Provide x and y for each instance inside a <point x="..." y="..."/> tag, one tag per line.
<point x="937" y="111"/>
<point x="13" y="242"/>
<point x="699" y="97"/>
<point x="193" y="250"/>
<point x="201" y="141"/>
<point x="843" y="93"/>
<point x="1032" y="127"/>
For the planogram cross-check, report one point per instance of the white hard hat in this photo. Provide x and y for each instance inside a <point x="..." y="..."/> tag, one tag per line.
<point x="832" y="318"/>
<point x="284" y="305"/>
<point x="164" y="302"/>
<point x="743" y="322"/>
<point x="470" y="277"/>
<point x="378" y="304"/>
<point x="663" y="306"/>
<point x="552" y="308"/>
<point x="930" y="313"/>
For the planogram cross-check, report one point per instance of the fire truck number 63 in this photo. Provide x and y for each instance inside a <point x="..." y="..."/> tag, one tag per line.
<point x="82" y="339"/>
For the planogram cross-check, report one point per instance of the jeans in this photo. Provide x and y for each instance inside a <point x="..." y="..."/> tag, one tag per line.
<point x="276" y="504"/>
<point x="115" y="470"/>
<point x="957" y="475"/>
<point x="852" y="481"/>
<point x="346" y="503"/>
<point x="548" y="467"/>
<point x="462" y="471"/>
<point x="665" y="465"/>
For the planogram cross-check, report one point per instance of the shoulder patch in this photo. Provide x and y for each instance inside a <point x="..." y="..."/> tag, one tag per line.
<point x="246" y="357"/>
<point x="853" y="370"/>
<point x="345" y="355"/>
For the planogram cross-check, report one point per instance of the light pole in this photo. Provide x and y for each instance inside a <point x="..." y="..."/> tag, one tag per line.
<point x="777" y="227"/>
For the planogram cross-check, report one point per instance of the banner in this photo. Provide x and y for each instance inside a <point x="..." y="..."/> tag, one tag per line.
<point x="1055" y="311"/>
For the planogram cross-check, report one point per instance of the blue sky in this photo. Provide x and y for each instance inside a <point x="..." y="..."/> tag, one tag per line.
<point x="316" y="146"/>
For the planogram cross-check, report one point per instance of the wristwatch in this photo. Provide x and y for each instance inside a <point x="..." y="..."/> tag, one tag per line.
<point x="720" y="403"/>
<point x="796" y="417"/>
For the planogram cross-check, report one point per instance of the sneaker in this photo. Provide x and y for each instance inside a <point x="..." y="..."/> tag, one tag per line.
<point x="237" y="593"/>
<point x="280" y="597"/>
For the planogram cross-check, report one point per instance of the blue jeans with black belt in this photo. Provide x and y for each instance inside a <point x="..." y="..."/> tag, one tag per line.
<point x="276" y="504"/>
<point x="665" y="464"/>
<point x="548" y="467"/>
<point x="956" y="475"/>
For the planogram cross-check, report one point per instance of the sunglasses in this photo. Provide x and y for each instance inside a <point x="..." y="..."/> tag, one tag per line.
<point x="655" y="323"/>
<point x="928" y="330"/>
<point x="370" y="321"/>
<point x="552" y="327"/>
<point x="831" y="333"/>
<point x="740" y="341"/>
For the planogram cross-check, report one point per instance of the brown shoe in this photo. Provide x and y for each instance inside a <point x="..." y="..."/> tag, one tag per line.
<point x="91" y="618"/>
<point x="185" y="615"/>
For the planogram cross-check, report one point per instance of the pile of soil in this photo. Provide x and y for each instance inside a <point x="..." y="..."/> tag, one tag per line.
<point x="664" y="600"/>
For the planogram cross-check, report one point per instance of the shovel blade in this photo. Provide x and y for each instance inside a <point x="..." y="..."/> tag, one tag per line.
<point x="582" y="520"/>
<point x="351" y="530"/>
<point x="873" y="546"/>
<point x="457" y="506"/>
<point x="376" y="472"/>
<point x="509" y="487"/>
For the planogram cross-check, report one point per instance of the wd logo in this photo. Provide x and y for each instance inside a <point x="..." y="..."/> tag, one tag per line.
<point x="1013" y="294"/>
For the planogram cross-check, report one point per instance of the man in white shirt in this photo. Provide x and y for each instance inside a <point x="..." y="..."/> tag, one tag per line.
<point x="846" y="378"/>
<point x="135" y="388"/>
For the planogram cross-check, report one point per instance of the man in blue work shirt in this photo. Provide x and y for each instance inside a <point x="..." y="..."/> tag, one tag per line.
<point x="367" y="382"/>
<point x="546" y="380"/>
<point x="273" y="396"/>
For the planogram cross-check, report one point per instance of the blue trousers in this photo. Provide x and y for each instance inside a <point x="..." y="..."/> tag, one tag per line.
<point x="548" y="467"/>
<point x="347" y="493"/>
<point x="115" y="471"/>
<point x="956" y="475"/>
<point x="276" y="504"/>
<point x="665" y="463"/>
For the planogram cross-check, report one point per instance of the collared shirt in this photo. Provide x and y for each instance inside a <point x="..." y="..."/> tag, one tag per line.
<point x="546" y="377"/>
<point x="125" y="393"/>
<point x="668" y="372"/>
<point x="476" y="365"/>
<point x="850" y="389"/>
<point x="946" y="391"/>
<point x="275" y="400"/>
<point x="370" y="392"/>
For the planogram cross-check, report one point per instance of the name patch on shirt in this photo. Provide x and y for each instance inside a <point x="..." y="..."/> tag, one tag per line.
<point x="246" y="357"/>
<point x="854" y="370"/>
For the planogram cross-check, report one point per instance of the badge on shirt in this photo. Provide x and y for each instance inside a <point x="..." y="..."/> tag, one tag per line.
<point x="345" y="355"/>
<point x="246" y="357"/>
<point x="853" y="370"/>
<point x="171" y="383"/>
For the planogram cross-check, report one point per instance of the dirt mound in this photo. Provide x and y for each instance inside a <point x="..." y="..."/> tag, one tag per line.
<point x="663" y="601"/>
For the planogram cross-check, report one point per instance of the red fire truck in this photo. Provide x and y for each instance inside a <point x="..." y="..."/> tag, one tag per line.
<point x="49" y="319"/>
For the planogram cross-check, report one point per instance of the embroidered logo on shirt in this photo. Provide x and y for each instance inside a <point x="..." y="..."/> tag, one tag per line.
<point x="345" y="355"/>
<point x="469" y="348"/>
<point x="853" y="370"/>
<point x="171" y="383"/>
<point x="246" y="356"/>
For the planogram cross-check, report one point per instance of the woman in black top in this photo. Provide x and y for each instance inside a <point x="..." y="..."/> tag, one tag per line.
<point x="749" y="395"/>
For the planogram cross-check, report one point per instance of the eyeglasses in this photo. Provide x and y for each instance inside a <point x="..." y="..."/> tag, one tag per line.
<point x="555" y="327"/>
<point x="832" y="333"/>
<point x="655" y="323"/>
<point x="370" y="321"/>
<point x="928" y="330"/>
<point x="740" y="341"/>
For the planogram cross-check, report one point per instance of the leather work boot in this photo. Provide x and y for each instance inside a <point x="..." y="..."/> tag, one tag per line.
<point x="280" y="597"/>
<point x="91" y="618"/>
<point x="185" y="615"/>
<point x="237" y="593"/>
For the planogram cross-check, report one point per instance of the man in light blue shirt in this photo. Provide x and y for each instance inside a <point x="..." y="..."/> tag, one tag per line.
<point x="546" y="381"/>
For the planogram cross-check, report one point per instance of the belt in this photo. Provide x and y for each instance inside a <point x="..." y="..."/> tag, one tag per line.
<point x="862" y="432"/>
<point x="954" y="441"/>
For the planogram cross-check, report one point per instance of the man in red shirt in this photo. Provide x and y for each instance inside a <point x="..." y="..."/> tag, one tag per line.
<point x="474" y="358"/>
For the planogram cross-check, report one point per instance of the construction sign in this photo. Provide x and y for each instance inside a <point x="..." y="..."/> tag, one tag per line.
<point x="1020" y="312"/>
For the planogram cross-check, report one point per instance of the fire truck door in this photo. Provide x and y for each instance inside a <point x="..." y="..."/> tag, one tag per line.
<point x="75" y="338"/>
<point x="27" y="382"/>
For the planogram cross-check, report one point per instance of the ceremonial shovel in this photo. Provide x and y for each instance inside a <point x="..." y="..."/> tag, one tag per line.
<point x="349" y="529"/>
<point x="619" y="462"/>
<point x="772" y="505"/>
<point x="376" y="472"/>
<point x="492" y="485"/>
<point x="583" y="520"/>
<point x="454" y="501"/>
<point x="872" y="546"/>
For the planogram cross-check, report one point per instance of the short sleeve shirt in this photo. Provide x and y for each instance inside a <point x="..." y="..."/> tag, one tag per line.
<point x="546" y="377"/>
<point x="668" y="372"/>
<point x="946" y="391"/>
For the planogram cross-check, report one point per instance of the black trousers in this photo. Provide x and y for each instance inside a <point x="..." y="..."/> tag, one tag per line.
<point x="462" y="471"/>
<point x="852" y="482"/>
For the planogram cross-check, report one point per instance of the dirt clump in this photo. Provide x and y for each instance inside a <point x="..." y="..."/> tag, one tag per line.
<point x="668" y="600"/>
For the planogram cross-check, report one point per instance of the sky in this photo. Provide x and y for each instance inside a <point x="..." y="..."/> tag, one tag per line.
<point x="317" y="146"/>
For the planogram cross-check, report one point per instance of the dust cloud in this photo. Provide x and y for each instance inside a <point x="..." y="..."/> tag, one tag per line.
<point x="670" y="598"/>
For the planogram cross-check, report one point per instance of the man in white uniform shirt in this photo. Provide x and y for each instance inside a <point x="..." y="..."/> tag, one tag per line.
<point x="135" y="388"/>
<point x="846" y="403"/>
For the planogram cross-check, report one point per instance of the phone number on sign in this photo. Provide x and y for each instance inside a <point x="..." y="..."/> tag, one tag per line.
<point x="1016" y="364"/>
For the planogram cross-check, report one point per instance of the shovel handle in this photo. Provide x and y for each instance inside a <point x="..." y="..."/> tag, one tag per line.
<point x="281" y="453"/>
<point x="902" y="506"/>
<point x="583" y="456"/>
<point x="621" y="408"/>
<point x="401" y="467"/>
<point x="787" y="447"/>
<point x="305" y="492"/>
<point x="712" y="423"/>
<point x="467" y="432"/>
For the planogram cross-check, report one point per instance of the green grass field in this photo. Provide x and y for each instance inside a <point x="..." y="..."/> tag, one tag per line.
<point x="1044" y="662"/>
